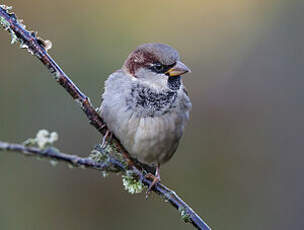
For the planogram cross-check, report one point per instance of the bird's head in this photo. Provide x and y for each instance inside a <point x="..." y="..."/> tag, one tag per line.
<point x="155" y="64"/>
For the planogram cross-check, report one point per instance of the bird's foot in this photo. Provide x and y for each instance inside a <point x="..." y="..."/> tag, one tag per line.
<point x="104" y="139"/>
<point x="155" y="179"/>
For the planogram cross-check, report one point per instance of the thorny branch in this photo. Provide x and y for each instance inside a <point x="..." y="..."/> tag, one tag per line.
<point x="38" y="48"/>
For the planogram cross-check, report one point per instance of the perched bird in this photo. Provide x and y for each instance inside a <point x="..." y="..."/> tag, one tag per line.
<point x="145" y="104"/>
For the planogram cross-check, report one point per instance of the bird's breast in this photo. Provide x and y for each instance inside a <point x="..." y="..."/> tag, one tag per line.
<point x="151" y="139"/>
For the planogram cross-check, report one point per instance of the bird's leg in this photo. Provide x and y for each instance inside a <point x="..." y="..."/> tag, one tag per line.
<point x="155" y="179"/>
<point x="104" y="139"/>
<point x="110" y="137"/>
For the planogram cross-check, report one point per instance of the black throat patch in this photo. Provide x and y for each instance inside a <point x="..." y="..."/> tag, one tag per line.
<point x="148" y="102"/>
<point x="174" y="83"/>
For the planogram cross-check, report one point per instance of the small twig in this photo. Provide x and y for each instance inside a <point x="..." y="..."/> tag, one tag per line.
<point x="54" y="154"/>
<point x="38" y="47"/>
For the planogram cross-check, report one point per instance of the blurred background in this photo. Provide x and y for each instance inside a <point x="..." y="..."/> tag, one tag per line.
<point x="240" y="163"/>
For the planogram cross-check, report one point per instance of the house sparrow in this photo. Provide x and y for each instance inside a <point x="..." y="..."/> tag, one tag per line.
<point x="145" y="104"/>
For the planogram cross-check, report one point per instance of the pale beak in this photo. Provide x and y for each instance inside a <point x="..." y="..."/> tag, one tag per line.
<point x="177" y="70"/>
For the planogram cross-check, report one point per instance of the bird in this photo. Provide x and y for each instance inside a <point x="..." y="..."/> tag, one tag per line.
<point x="146" y="106"/>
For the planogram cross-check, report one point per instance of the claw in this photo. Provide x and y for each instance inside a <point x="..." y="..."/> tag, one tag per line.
<point x="155" y="179"/>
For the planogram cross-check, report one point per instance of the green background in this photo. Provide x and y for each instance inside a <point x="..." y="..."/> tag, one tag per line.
<point x="240" y="163"/>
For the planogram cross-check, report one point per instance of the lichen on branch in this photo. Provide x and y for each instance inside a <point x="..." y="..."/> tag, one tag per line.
<point x="43" y="139"/>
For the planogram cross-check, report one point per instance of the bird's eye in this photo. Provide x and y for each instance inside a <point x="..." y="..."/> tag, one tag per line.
<point x="157" y="67"/>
